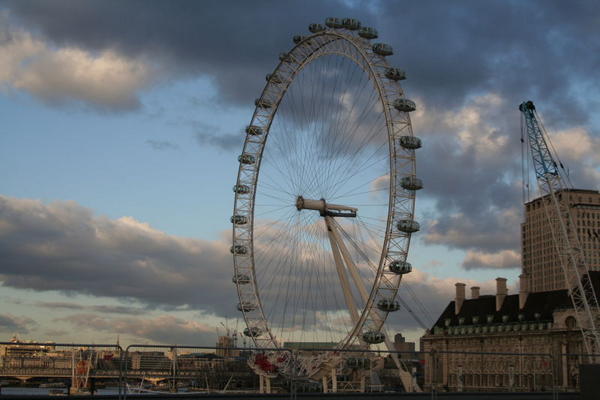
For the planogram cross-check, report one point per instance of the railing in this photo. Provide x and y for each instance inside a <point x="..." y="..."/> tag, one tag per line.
<point x="144" y="368"/>
<point x="75" y="366"/>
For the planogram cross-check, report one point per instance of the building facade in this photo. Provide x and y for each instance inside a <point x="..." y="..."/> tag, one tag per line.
<point x="23" y="348"/>
<point x="535" y="331"/>
<point x="225" y="347"/>
<point x="540" y="257"/>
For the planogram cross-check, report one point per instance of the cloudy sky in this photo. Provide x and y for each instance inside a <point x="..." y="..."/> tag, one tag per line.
<point x="121" y="123"/>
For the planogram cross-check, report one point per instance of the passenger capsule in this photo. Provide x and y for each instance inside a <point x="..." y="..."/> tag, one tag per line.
<point x="368" y="33"/>
<point x="274" y="78"/>
<point x="298" y="38"/>
<point x="351" y="24"/>
<point x="373" y="337"/>
<point x="314" y="28"/>
<point x="408" y="226"/>
<point x="241" y="189"/>
<point x="333" y="22"/>
<point x="263" y="103"/>
<point x="382" y="49"/>
<point x="246" y="306"/>
<point x="238" y="250"/>
<point x="411" y="183"/>
<point x="254" y="130"/>
<point x="410" y="142"/>
<point x="241" y="279"/>
<point x="239" y="219"/>
<point x="400" y="267"/>
<point x="246" y="159"/>
<point x="388" y="305"/>
<point x="286" y="57"/>
<point x="253" y="331"/>
<point x="405" y="105"/>
<point x="395" y="74"/>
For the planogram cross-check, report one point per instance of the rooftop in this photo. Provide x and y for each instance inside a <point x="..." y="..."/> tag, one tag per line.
<point x="581" y="191"/>
<point x="541" y="303"/>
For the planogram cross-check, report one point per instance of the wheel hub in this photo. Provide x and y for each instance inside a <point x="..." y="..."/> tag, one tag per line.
<point x="325" y="209"/>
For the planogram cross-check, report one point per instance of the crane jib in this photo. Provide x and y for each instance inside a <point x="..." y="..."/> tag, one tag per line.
<point x="571" y="257"/>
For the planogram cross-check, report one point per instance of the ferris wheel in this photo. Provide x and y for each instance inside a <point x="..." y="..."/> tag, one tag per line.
<point x="325" y="193"/>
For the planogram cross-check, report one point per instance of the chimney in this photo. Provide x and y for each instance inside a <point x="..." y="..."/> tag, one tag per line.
<point x="523" y="290"/>
<point x="500" y="292"/>
<point x="460" y="297"/>
<point x="474" y="292"/>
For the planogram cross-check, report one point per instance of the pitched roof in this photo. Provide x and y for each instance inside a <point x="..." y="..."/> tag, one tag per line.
<point x="543" y="303"/>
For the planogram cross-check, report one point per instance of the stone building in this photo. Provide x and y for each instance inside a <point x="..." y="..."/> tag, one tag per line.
<point x="407" y="349"/>
<point x="149" y="361"/>
<point x="527" y="322"/>
<point x="225" y="347"/>
<point x="23" y="348"/>
<point x="539" y="319"/>
<point x="540" y="259"/>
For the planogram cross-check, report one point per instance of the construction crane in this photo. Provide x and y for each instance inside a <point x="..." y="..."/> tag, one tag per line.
<point x="551" y="179"/>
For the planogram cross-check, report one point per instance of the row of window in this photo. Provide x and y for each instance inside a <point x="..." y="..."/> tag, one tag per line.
<point x="500" y="380"/>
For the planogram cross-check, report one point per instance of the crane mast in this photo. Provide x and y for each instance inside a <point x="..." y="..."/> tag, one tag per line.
<point x="564" y="232"/>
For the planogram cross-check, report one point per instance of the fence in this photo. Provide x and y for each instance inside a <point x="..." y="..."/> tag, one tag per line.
<point x="53" y="368"/>
<point x="168" y="369"/>
<point x="202" y="369"/>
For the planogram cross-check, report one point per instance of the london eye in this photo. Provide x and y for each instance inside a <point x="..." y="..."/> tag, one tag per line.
<point x="324" y="204"/>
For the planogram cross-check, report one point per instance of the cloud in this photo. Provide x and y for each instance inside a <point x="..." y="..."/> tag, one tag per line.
<point x="230" y="43"/>
<point x="165" y="329"/>
<point x="498" y="230"/>
<point x="435" y="263"/>
<point x="579" y="151"/>
<point x="162" y="145"/>
<point x="63" y="246"/>
<point x="211" y="135"/>
<point x="505" y="259"/>
<point x="466" y="72"/>
<point x="223" y="141"/>
<point x="576" y="143"/>
<point x="106" y="79"/>
<point x="470" y="158"/>
<point x="462" y="50"/>
<point x="13" y="324"/>
<point x="470" y="165"/>
<point x="451" y="50"/>
<point x="109" y="309"/>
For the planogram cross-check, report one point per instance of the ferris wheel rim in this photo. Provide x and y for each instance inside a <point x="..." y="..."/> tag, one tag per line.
<point x="368" y="57"/>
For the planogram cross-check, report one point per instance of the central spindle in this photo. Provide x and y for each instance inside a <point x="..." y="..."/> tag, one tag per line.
<point x="324" y="208"/>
